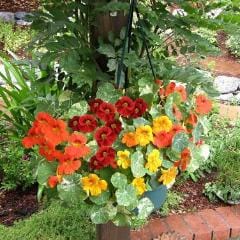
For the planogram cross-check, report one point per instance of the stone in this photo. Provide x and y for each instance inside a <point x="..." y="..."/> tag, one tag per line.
<point x="237" y="97"/>
<point x="7" y="16"/>
<point x="226" y="97"/>
<point x="225" y="84"/>
<point x="23" y="23"/>
<point x="20" y="15"/>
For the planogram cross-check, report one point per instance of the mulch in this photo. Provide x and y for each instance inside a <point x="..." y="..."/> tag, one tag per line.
<point x="17" y="204"/>
<point x="193" y="197"/>
<point x="18" y="5"/>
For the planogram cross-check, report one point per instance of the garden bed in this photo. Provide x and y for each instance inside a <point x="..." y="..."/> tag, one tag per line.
<point x="19" y="5"/>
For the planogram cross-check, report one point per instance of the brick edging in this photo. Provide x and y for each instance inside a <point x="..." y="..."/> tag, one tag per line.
<point x="218" y="224"/>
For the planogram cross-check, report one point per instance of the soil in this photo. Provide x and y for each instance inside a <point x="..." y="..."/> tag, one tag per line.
<point x="17" y="204"/>
<point x="18" y="5"/>
<point x="226" y="64"/>
<point x="193" y="197"/>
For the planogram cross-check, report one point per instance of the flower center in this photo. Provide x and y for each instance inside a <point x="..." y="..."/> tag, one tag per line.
<point x="103" y="136"/>
<point x="88" y="122"/>
<point x="125" y="104"/>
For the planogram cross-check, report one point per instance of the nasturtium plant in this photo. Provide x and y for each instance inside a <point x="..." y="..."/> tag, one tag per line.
<point x="118" y="149"/>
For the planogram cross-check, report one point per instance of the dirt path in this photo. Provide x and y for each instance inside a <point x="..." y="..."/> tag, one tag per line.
<point x="18" y="5"/>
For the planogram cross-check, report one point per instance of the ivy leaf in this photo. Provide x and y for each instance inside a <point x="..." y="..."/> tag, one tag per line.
<point x="112" y="65"/>
<point x="145" y="207"/>
<point x="119" y="180"/>
<point x="180" y="141"/>
<point x="137" y="164"/>
<point x="126" y="196"/>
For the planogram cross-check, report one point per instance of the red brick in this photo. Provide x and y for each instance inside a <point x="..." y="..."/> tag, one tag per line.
<point x="177" y="224"/>
<point x="198" y="226"/>
<point x="231" y="219"/>
<point x="136" y="235"/>
<point x="158" y="226"/>
<point x="221" y="230"/>
<point x="236" y="210"/>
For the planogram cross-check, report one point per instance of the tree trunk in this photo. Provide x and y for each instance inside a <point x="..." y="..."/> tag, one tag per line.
<point x="105" y="23"/>
<point x="110" y="231"/>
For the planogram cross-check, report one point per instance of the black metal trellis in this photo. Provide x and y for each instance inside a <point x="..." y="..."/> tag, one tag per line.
<point x="127" y="42"/>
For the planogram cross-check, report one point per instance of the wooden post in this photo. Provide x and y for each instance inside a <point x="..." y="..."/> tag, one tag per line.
<point x="109" y="231"/>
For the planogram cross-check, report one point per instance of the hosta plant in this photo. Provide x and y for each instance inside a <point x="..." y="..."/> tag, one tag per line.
<point x="115" y="149"/>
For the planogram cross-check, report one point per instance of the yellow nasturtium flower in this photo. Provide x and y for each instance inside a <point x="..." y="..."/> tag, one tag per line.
<point x="93" y="185"/>
<point x="140" y="185"/>
<point x="124" y="160"/>
<point x="162" y="123"/>
<point x="168" y="176"/>
<point x="144" y="135"/>
<point x="153" y="161"/>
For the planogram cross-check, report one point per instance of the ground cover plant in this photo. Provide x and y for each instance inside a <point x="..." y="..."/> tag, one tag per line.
<point x="54" y="222"/>
<point x="225" y="157"/>
<point x="233" y="43"/>
<point x="14" y="38"/>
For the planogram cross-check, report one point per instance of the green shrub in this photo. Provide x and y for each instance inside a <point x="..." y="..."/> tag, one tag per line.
<point x="233" y="43"/>
<point x="14" y="38"/>
<point x="54" y="223"/>
<point x="207" y="34"/>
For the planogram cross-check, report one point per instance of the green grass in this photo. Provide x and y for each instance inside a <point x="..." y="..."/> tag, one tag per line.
<point x="54" y="223"/>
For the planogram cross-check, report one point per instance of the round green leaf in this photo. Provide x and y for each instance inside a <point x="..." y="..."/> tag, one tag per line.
<point x="145" y="207"/>
<point x="119" y="180"/>
<point x="137" y="164"/>
<point x="101" y="199"/>
<point x="126" y="196"/>
<point x="180" y="141"/>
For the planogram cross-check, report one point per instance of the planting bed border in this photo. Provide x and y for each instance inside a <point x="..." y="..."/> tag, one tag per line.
<point x="210" y="224"/>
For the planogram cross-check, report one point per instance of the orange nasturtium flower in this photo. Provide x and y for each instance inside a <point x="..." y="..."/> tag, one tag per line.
<point x="185" y="159"/>
<point x="77" y="146"/>
<point x="168" y="176"/>
<point x="130" y="139"/>
<point x="67" y="165"/>
<point x="203" y="104"/>
<point x="54" y="180"/>
<point x="93" y="185"/>
<point x="124" y="160"/>
<point x="139" y="185"/>
<point x="162" y="123"/>
<point x="144" y="135"/>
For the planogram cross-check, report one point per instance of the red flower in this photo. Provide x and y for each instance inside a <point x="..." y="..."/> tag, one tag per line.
<point x="43" y="117"/>
<point x="125" y="106"/>
<point x="67" y="165"/>
<point x="105" y="136"/>
<point x="55" y="132"/>
<point x="176" y="129"/>
<point x="48" y="151"/>
<point x="192" y="119"/>
<point x="161" y="92"/>
<point x="185" y="159"/>
<point x="107" y="155"/>
<point x="177" y="113"/>
<point x="159" y="82"/>
<point x="74" y="123"/>
<point x="53" y="181"/>
<point x="140" y="107"/>
<point x="87" y="123"/>
<point x="163" y="139"/>
<point x="203" y="105"/>
<point x="106" y="112"/>
<point x="115" y="125"/>
<point x="95" y="164"/>
<point x="77" y="147"/>
<point x="182" y="91"/>
<point x="170" y="88"/>
<point x="94" y="104"/>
